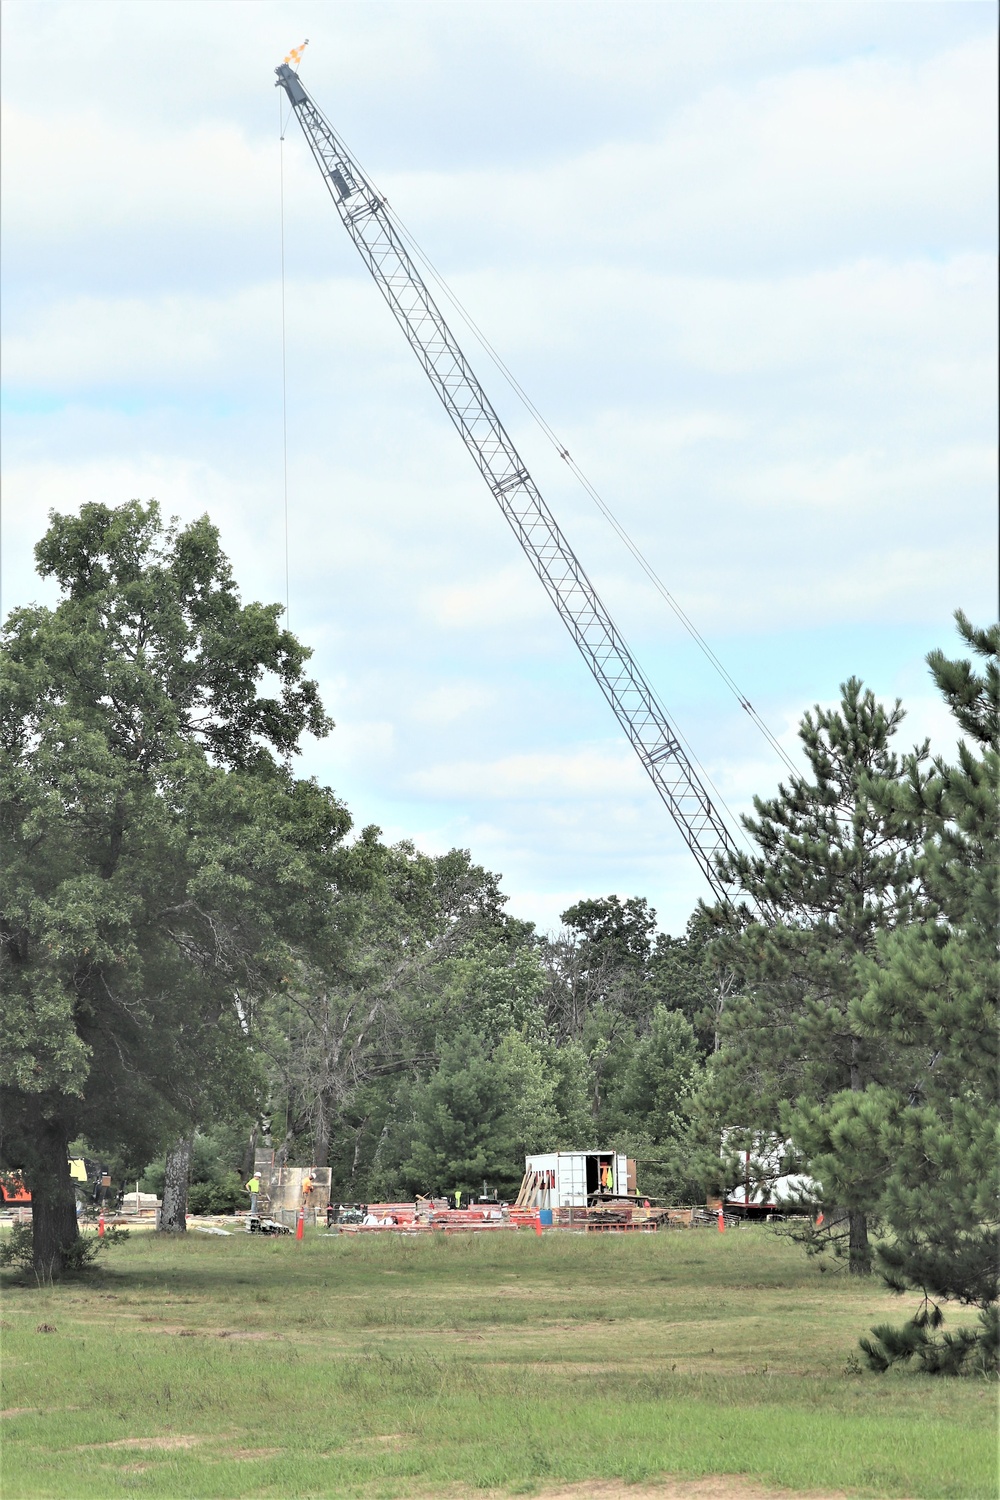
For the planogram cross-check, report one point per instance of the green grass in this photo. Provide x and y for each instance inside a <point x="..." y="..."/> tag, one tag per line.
<point x="386" y="1366"/>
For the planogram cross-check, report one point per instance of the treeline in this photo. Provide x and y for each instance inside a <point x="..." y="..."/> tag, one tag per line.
<point x="200" y="955"/>
<point x="459" y="1040"/>
<point x="453" y="1039"/>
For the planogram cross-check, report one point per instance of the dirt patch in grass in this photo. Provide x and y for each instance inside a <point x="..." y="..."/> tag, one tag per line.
<point x="712" y="1487"/>
<point x="251" y="1452"/>
<point x="34" y="1411"/>
<point x="709" y="1487"/>
<point x="176" y="1440"/>
<point x="380" y="1442"/>
<point x="173" y="1330"/>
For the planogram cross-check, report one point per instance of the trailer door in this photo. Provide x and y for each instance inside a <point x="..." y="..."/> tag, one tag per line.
<point x="572" y="1180"/>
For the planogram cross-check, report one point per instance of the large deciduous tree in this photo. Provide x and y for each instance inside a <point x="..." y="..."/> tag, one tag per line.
<point x="158" y="856"/>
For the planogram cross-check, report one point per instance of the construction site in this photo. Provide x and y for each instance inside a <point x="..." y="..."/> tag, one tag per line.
<point x="498" y="990"/>
<point x="582" y="1191"/>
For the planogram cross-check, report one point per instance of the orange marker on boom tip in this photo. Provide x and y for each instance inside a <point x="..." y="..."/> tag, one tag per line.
<point x="295" y="56"/>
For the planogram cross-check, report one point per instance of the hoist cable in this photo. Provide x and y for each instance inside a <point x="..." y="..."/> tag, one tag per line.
<point x="553" y="439"/>
<point x="395" y="226"/>
<point x="563" y="452"/>
<point x="596" y="497"/>
<point x="284" y="393"/>
<point x="522" y="395"/>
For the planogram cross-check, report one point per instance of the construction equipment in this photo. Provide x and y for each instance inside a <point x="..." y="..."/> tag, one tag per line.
<point x="369" y="222"/>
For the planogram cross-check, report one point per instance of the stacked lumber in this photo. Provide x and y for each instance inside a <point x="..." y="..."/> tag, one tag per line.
<point x="536" y="1188"/>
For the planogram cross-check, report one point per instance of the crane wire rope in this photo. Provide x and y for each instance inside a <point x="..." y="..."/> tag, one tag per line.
<point x="540" y="421"/>
<point x="594" y="494"/>
<point x="284" y="390"/>
<point x="609" y="515"/>
<point x="496" y="359"/>
<point x="560" y="448"/>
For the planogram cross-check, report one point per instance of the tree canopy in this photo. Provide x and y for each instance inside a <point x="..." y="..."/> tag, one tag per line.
<point x="930" y="1136"/>
<point x="836" y="867"/>
<point x="159" y="856"/>
<point x="193" y="950"/>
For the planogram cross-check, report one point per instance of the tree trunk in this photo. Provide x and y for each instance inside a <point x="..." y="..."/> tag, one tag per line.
<point x="321" y="1133"/>
<point x="173" y="1215"/>
<point x="357" y="1151"/>
<point x="54" y="1230"/>
<point x="860" y="1256"/>
<point x="250" y="1154"/>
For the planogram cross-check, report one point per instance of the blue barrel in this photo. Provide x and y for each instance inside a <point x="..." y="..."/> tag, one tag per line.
<point x="545" y="1218"/>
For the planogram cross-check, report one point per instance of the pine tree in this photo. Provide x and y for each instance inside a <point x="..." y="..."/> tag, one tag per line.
<point x="931" y="993"/>
<point x="835" y="869"/>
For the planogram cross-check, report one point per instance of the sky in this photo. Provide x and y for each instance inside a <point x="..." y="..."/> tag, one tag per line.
<point x="742" y="256"/>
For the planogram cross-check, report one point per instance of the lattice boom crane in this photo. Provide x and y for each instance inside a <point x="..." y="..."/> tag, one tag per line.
<point x="366" y="219"/>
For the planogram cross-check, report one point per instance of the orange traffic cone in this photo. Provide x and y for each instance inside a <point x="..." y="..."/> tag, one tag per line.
<point x="100" y="1226"/>
<point x="538" y="1224"/>
<point x="300" y="1223"/>
<point x="722" y="1222"/>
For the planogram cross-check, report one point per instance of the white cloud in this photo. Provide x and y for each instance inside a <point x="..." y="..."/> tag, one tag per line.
<point x="784" y="166"/>
<point x="68" y="171"/>
<point x="586" y="771"/>
<point x="492" y="602"/>
<point x="743" y="258"/>
<point x="456" y="700"/>
<point x="362" y="741"/>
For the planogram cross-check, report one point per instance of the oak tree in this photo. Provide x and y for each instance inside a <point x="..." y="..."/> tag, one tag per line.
<point x="159" y="858"/>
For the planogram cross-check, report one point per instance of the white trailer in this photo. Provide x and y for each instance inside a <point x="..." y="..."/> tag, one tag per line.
<point x="574" y="1179"/>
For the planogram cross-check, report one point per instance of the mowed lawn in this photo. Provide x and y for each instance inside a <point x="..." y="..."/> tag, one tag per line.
<point x="388" y="1366"/>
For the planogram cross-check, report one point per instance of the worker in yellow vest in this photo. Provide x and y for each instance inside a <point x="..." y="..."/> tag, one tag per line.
<point x="253" y="1188"/>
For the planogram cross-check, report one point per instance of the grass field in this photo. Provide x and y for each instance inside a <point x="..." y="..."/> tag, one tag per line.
<point x="385" y="1366"/>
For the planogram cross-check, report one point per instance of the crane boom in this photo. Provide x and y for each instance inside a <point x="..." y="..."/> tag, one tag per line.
<point x="366" y="218"/>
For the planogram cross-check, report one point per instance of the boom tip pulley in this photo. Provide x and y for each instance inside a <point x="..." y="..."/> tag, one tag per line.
<point x="288" y="78"/>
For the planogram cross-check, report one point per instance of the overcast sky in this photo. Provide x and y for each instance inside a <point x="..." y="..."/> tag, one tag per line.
<point x="743" y="258"/>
